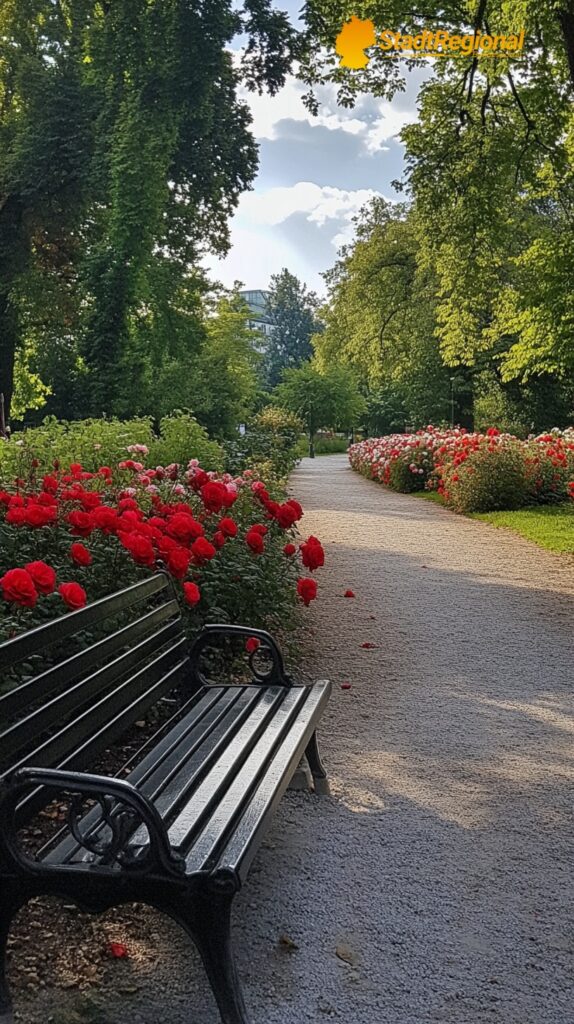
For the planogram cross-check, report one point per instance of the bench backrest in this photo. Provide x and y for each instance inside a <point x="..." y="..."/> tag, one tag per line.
<point x="90" y="691"/>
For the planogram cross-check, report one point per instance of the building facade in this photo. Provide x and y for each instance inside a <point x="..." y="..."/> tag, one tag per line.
<point x="259" y="319"/>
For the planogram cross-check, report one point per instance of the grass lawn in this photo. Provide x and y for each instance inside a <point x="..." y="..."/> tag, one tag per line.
<point x="550" y="526"/>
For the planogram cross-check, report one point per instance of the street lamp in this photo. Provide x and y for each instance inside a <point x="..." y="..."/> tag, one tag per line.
<point x="452" y="380"/>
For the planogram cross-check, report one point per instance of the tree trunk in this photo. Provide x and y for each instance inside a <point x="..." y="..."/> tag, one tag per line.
<point x="8" y="340"/>
<point x="14" y="255"/>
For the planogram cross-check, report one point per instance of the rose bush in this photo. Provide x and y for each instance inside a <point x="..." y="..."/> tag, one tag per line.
<point x="104" y="442"/>
<point x="72" y="535"/>
<point x="473" y="472"/>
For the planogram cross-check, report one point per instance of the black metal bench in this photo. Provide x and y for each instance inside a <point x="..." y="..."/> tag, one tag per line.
<point x="178" y="826"/>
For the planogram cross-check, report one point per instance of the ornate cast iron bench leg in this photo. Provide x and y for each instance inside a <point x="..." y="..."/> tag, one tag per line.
<point x="316" y="765"/>
<point x="207" y="920"/>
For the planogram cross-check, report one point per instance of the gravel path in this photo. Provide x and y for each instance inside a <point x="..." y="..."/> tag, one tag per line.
<point x="437" y="884"/>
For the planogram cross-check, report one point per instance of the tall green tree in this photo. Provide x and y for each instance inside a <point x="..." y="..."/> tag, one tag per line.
<point x="380" y="319"/>
<point x="328" y="398"/>
<point x="294" y="315"/>
<point x="489" y="166"/>
<point x="219" y="383"/>
<point x="122" y="141"/>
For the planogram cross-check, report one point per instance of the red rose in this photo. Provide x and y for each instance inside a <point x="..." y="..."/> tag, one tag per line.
<point x="252" y="644"/>
<point x="312" y="554"/>
<point x="307" y="590"/>
<point x="219" y="539"/>
<point x="178" y="562"/>
<point x="228" y="527"/>
<point x="184" y="528"/>
<point x="50" y="483"/>
<point x="202" y="550"/>
<point x="39" y="515"/>
<point x="289" y="549"/>
<point x="199" y="479"/>
<point x="255" y="541"/>
<point x="166" y="544"/>
<point x="82" y="523"/>
<point x="272" y="508"/>
<point x="45" y="498"/>
<point x="191" y="593"/>
<point x="129" y="521"/>
<point x="213" y="496"/>
<point x="73" y="595"/>
<point x="105" y="519"/>
<point x="16" y="516"/>
<point x="90" y="500"/>
<point x="296" y="507"/>
<point x="139" y="547"/>
<point x="18" y="586"/>
<point x="80" y="554"/>
<point x="286" y="516"/>
<point x="259" y="528"/>
<point x="230" y="497"/>
<point x="43" y="576"/>
<point x="128" y="505"/>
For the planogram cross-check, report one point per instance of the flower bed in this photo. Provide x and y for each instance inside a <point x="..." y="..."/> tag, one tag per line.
<point x="472" y="472"/>
<point x="71" y="536"/>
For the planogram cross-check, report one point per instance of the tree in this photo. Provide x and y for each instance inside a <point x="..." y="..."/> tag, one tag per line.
<point x="320" y="399"/>
<point x="122" y="142"/>
<point x="380" y="319"/>
<point x="223" y="378"/>
<point x="293" y="313"/>
<point x="490" y="161"/>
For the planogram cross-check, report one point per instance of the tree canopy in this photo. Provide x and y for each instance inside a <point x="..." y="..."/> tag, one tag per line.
<point x="293" y="313"/>
<point x="488" y="171"/>
<point x="124" y="149"/>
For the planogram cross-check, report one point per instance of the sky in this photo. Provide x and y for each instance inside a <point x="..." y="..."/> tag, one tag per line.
<point x="315" y="173"/>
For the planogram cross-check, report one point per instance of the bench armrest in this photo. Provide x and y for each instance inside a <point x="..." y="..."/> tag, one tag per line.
<point x="122" y="810"/>
<point x="276" y="676"/>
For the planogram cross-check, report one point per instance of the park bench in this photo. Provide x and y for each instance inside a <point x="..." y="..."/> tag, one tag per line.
<point x="177" y="827"/>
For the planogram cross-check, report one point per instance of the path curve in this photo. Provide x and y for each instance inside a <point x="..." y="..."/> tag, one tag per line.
<point x="437" y="884"/>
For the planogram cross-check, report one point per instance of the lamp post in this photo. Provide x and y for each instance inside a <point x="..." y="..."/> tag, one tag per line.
<point x="452" y="379"/>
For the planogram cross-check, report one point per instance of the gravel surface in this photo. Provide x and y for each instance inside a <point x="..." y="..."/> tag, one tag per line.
<point x="436" y="885"/>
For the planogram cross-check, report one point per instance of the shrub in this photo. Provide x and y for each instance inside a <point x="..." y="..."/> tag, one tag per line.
<point x="492" y="477"/>
<point x="330" y="444"/>
<point x="473" y="472"/>
<point x="103" y="442"/>
<point x="92" y="442"/>
<point x="270" y="444"/>
<point x="71" y="536"/>
<point x="180" y="439"/>
<point x="549" y="467"/>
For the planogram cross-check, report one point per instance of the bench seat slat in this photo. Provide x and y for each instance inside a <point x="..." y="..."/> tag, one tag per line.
<point x="285" y="722"/>
<point x="241" y="848"/>
<point x="208" y="794"/>
<point x="198" y="729"/>
<point x="241" y="758"/>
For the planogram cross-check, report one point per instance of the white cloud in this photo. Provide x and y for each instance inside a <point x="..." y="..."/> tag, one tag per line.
<point x="261" y="246"/>
<point x="382" y="120"/>
<point x="319" y="203"/>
